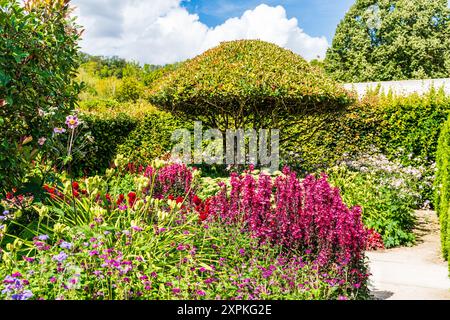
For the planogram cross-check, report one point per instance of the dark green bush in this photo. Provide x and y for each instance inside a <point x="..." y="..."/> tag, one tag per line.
<point x="108" y="134"/>
<point x="442" y="183"/>
<point x="151" y="138"/>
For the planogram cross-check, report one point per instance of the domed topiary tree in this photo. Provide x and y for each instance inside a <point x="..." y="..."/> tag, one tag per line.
<point x="251" y="84"/>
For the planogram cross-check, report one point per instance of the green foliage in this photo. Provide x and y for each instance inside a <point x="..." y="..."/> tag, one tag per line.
<point x="251" y="83"/>
<point x="404" y="128"/>
<point x="105" y="67"/>
<point x="387" y="207"/>
<point x="38" y="61"/>
<point x="153" y="73"/>
<point x="152" y="137"/>
<point x="410" y="129"/>
<point x="108" y="133"/>
<point x="442" y="182"/>
<point x="412" y="125"/>
<point x="129" y="90"/>
<point x="391" y="40"/>
<point x="350" y="134"/>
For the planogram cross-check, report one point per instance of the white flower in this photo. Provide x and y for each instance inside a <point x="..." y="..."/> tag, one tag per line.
<point x="41" y="141"/>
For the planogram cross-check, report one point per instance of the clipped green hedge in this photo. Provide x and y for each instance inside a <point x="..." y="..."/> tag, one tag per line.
<point x="140" y="139"/>
<point x="442" y="182"/>
<point x="108" y="133"/>
<point x="411" y="126"/>
<point x="152" y="137"/>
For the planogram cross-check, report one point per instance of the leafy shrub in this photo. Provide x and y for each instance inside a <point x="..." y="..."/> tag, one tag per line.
<point x="111" y="107"/>
<point x="412" y="125"/>
<point x="410" y="130"/>
<point x="351" y="133"/>
<point x="130" y="90"/>
<point x="152" y="137"/>
<point x="38" y="62"/>
<point x="107" y="133"/>
<point x="386" y="200"/>
<point x="442" y="195"/>
<point x="404" y="128"/>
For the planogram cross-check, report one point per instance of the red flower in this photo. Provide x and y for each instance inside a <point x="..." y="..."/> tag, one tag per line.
<point x="75" y="185"/>
<point x="49" y="189"/>
<point x="121" y="199"/>
<point x="75" y="193"/>
<point x="171" y="197"/>
<point x="84" y="191"/>
<point x="197" y="200"/>
<point x="108" y="197"/>
<point x="180" y="200"/>
<point x="9" y="196"/>
<point x="131" y="198"/>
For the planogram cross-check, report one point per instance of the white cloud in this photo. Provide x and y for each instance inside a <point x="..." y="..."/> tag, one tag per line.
<point x="161" y="31"/>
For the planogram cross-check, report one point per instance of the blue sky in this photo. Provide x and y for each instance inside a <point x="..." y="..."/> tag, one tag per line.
<point x="167" y="31"/>
<point x="316" y="17"/>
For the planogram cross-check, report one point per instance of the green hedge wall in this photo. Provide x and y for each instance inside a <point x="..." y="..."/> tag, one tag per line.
<point x="411" y="126"/>
<point x="108" y="133"/>
<point x="140" y="139"/>
<point x="442" y="182"/>
<point x="152" y="137"/>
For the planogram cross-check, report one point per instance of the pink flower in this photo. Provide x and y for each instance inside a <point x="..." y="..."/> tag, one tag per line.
<point x="72" y="122"/>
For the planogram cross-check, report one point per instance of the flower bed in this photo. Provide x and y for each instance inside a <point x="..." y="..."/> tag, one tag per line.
<point x="265" y="239"/>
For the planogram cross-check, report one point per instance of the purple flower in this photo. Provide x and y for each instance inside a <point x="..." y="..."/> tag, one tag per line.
<point x="72" y="122"/>
<point x="28" y="259"/>
<point x="62" y="256"/>
<point x="93" y="253"/>
<point x="66" y="245"/>
<point x="43" y="237"/>
<point x="59" y="130"/>
<point x="176" y="290"/>
<point x="201" y="293"/>
<point x="122" y="207"/>
<point x="25" y="295"/>
<point x="9" y="280"/>
<point x="242" y="252"/>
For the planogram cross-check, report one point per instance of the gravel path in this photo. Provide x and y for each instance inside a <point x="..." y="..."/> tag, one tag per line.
<point x="412" y="273"/>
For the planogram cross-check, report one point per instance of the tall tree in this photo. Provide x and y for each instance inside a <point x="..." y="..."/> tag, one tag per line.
<point x="382" y="40"/>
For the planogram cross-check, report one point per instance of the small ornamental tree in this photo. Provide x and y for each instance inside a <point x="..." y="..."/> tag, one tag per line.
<point x="38" y="63"/>
<point x="380" y="40"/>
<point x="251" y="84"/>
<point x="442" y="187"/>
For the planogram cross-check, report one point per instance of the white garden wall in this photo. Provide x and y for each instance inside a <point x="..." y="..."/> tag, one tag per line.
<point x="401" y="87"/>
